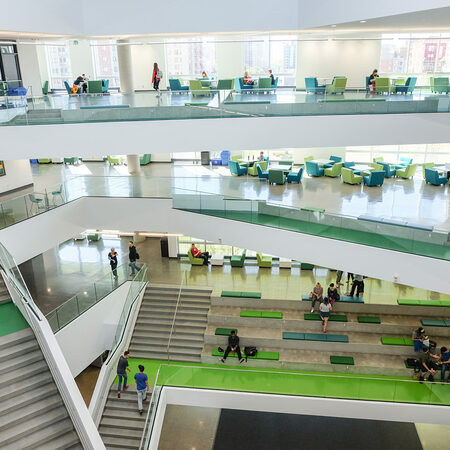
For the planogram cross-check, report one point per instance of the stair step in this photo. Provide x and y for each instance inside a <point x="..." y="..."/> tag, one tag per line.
<point x="185" y="350"/>
<point x="143" y="327"/>
<point x="163" y="356"/>
<point x="162" y="343"/>
<point x="8" y="354"/>
<point x="69" y="440"/>
<point x="21" y="387"/>
<point x="120" y="442"/>
<point x="10" y="340"/>
<point x="177" y="289"/>
<point x="118" y="409"/>
<point x="131" y="423"/>
<point x="23" y="431"/>
<point x="181" y="315"/>
<point x="160" y="306"/>
<point x="41" y="406"/>
<point x="22" y="361"/>
<point x="17" y="373"/>
<point x="167" y="321"/>
<point x="151" y="335"/>
<point x="12" y="403"/>
<point x="115" y="432"/>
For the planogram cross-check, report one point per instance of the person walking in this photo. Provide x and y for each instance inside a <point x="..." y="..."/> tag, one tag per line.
<point x="112" y="256"/>
<point x="133" y="256"/>
<point x="142" y="387"/>
<point x="358" y="284"/>
<point x="122" y="367"/>
<point x="316" y="295"/>
<point x="325" y="308"/>
<point x="156" y="78"/>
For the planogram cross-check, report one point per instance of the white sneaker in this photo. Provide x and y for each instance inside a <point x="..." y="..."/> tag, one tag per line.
<point x="312" y="310"/>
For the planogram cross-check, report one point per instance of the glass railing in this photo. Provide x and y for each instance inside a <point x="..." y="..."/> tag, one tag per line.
<point x="81" y="302"/>
<point x="279" y="382"/>
<point x="213" y="103"/>
<point x="403" y="237"/>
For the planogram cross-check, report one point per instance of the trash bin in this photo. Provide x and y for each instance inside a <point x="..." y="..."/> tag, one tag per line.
<point x="204" y="157"/>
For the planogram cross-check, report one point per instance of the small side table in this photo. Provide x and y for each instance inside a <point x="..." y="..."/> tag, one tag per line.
<point x="216" y="260"/>
<point x="285" y="263"/>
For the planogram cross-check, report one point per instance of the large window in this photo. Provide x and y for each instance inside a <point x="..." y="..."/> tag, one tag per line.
<point x="278" y="53"/>
<point x="106" y="64"/>
<point x="416" y="54"/>
<point x="187" y="58"/>
<point x="60" y="70"/>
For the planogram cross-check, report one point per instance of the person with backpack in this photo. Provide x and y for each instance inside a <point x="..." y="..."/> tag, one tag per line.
<point x="156" y="78"/>
<point x="142" y="387"/>
<point x="133" y="256"/>
<point x="233" y="346"/>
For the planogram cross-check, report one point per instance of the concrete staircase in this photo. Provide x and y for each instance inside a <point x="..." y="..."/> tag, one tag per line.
<point x="4" y="294"/>
<point x="151" y="333"/>
<point x="121" y="425"/>
<point x="32" y="413"/>
<point x="39" y="116"/>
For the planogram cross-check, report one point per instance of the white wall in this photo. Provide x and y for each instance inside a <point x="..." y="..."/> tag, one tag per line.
<point x="237" y="134"/>
<point x="29" y="68"/>
<point x="18" y="174"/>
<point x="354" y="59"/>
<point x="88" y="336"/>
<point x="229" y="56"/>
<point x="81" y="59"/>
<point x="51" y="228"/>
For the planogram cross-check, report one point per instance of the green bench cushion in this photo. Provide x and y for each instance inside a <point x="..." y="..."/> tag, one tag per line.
<point x="347" y="360"/>
<point x="274" y="356"/>
<point x="231" y="294"/>
<point x="368" y="319"/>
<point x="396" y="341"/>
<point x="224" y="331"/>
<point x="262" y="314"/>
<point x="293" y="336"/>
<point x="332" y="318"/>
<point x="251" y="294"/>
<point x="196" y="104"/>
<point x="434" y="322"/>
<point x="306" y="266"/>
<point x="346" y="299"/>
<point x="315" y="337"/>
<point x="326" y="337"/>
<point x="240" y="294"/>
<point x="410" y="302"/>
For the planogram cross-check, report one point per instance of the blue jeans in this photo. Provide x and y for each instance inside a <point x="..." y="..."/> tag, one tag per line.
<point x="417" y="346"/>
<point x="124" y="376"/>
<point x="134" y="267"/>
<point x="142" y="395"/>
<point x="444" y="369"/>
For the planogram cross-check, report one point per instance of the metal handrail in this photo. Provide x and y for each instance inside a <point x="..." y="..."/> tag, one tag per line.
<point x="174" y="317"/>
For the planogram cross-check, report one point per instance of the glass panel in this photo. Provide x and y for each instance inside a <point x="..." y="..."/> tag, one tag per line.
<point x="106" y="62"/>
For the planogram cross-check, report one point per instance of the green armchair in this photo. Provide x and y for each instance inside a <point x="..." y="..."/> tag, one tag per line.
<point x="334" y="170"/>
<point x="238" y="260"/>
<point x="349" y="177"/>
<point x="145" y="159"/>
<point x="383" y="85"/>
<point x="378" y="158"/>
<point x="408" y="172"/>
<point x="277" y="176"/>
<point x="253" y="170"/>
<point x="225" y="84"/>
<point x="72" y="160"/>
<point x="264" y="261"/>
<point x="114" y="159"/>
<point x="95" y="87"/>
<point x="94" y="237"/>
<point x="337" y="86"/>
<point x="198" y="89"/>
<point x="195" y="261"/>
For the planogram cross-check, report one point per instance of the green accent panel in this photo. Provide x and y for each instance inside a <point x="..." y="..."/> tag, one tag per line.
<point x="347" y="360"/>
<point x="273" y="356"/>
<point x="396" y="341"/>
<point x="271" y="315"/>
<point x="315" y="337"/>
<point x="410" y="302"/>
<point x="434" y="322"/>
<point x="251" y="294"/>
<point x="291" y="382"/>
<point x="368" y="319"/>
<point x="293" y="336"/>
<point x="313" y="209"/>
<point x="11" y="319"/>
<point x="230" y="294"/>
<point x="225" y="331"/>
<point x="247" y="313"/>
<point x="337" y="338"/>
<point x="332" y="318"/>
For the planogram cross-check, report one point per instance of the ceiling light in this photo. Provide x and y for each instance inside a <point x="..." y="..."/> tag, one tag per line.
<point x="362" y="21"/>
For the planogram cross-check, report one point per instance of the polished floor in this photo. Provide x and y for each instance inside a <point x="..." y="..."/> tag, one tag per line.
<point x="74" y="266"/>
<point x="410" y="200"/>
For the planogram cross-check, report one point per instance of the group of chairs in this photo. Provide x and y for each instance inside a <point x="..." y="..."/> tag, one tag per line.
<point x="337" y="86"/>
<point x="94" y="87"/>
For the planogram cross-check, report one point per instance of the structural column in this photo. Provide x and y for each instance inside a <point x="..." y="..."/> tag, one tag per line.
<point x="133" y="164"/>
<point x="125" y="66"/>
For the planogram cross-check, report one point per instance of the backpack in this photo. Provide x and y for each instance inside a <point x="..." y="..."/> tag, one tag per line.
<point x="250" y="351"/>
<point x="137" y="255"/>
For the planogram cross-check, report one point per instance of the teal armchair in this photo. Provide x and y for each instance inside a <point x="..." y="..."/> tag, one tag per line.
<point x="94" y="237"/>
<point x="238" y="260"/>
<point x="262" y="174"/>
<point x="237" y="169"/>
<point x="195" y="261"/>
<point x="389" y="171"/>
<point x="432" y="176"/>
<point x="264" y="261"/>
<point x="428" y="165"/>
<point x="375" y="178"/>
<point x="276" y="176"/>
<point x="295" y="177"/>
<point x="145" y="159"/>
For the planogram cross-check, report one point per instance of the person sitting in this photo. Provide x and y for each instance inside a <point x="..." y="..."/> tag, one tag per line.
<point x="444" y="362"/>
<point x="204" y="75"/>
<point x="333" y="294"/>
<point x="261" y="157"/>
<point x="418" y="337"/>
<point x="316" y="295"/>
<point x="196" y="253"/>
<point x="325" y="308"/>
<point x="248" y="79"/>
<point x="428" y="364"/>
<point x="372" y="80"/>
<point x="233" y="346"/>
<point x="271" y="77"/>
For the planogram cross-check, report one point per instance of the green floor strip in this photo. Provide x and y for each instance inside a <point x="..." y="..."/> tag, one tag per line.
<point x="11" y="319"/>
<point x="291" y="382"/>
<point x="334" y="232"/>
